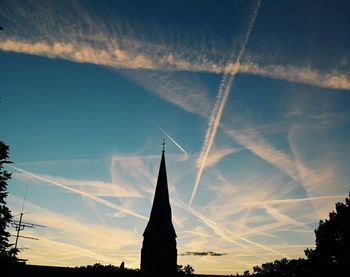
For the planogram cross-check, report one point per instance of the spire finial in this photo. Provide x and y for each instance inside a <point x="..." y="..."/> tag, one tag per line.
<point x="163" y="144"/>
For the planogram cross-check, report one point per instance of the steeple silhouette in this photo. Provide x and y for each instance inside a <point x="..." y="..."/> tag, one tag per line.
<point x="159" y="254"/>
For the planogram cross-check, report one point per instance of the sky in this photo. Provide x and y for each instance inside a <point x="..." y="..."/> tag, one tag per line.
<point x="252" y="98"/>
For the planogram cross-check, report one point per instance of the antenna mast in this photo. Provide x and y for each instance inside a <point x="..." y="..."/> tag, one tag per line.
<point x="20" y="225"/>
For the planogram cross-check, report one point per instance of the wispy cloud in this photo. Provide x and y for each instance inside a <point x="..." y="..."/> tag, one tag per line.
<point x="215" y="156"/>
<point x="319" y="170"/>
<point x="88" y="39"/>
<point x="306" y="75"/>
<point x="177" y="88"/>
<point x="254" y="142"/>
<point x="123" y="59"/>
<point x="80" y="52"/>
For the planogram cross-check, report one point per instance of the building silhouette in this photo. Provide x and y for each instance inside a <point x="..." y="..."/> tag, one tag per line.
<point x="159" y="253"/>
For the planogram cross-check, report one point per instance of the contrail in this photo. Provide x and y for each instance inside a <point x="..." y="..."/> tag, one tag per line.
<point x="178" y="145"/>
<point x="223" y="232"/>
<point x="88" y="195"/>
<point x="223" y="93"/>
<point x="297" y="200"/>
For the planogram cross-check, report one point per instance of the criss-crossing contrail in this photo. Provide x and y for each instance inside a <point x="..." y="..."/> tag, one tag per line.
<point x="178" y="145"/>
<point x="221" y="99"/>
<point x="88" y="195"/>
<point x="223" y="232"/>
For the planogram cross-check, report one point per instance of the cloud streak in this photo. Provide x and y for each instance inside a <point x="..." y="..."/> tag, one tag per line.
<point x="113" y="57"/>
<point x="97" y="187"/>
<point x="215" y="156"/>
<point x="255" y="143"/>
<point x="88" y="195"/>
<point x="88" y="39"/>
<point x="297" y="200"/>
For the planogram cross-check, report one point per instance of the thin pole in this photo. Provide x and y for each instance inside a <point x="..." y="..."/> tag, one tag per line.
<point x="19" y="227"/>
<point x="18" y="230"/>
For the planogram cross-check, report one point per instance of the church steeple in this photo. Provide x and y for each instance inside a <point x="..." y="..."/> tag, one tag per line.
<point x="159" y="254"/>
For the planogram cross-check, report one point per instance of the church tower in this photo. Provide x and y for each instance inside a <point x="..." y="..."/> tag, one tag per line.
<point x="158" y="253"/>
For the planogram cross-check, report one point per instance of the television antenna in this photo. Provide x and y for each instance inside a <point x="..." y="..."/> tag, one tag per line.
<point x="19" y="225"/>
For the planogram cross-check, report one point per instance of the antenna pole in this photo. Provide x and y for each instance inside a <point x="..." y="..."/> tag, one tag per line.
<point x="18" y="229"/>
<point x="20" y="225"/>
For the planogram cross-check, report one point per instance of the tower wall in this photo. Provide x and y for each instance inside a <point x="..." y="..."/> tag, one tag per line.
<point x="159" y="256"/>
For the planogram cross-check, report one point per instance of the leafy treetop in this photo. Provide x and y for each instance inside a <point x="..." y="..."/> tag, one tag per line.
<point x="5" y="214"/>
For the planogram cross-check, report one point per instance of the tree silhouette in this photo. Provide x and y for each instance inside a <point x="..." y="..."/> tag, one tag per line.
<point x="188" y="270"/>
<point x="184" y="270"/>
<point x="333" y="239"/>
<point x="5" y="214"/>
<point x="330" y="256"/>
<point x="283" y="267"/>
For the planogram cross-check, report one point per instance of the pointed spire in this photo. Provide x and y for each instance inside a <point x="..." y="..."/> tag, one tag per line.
<point x="159" y="253"/>
<point x="160" y="220"/>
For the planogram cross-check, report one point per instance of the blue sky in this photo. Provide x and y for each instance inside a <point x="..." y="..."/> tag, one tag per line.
<point x="251" y="96"/>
